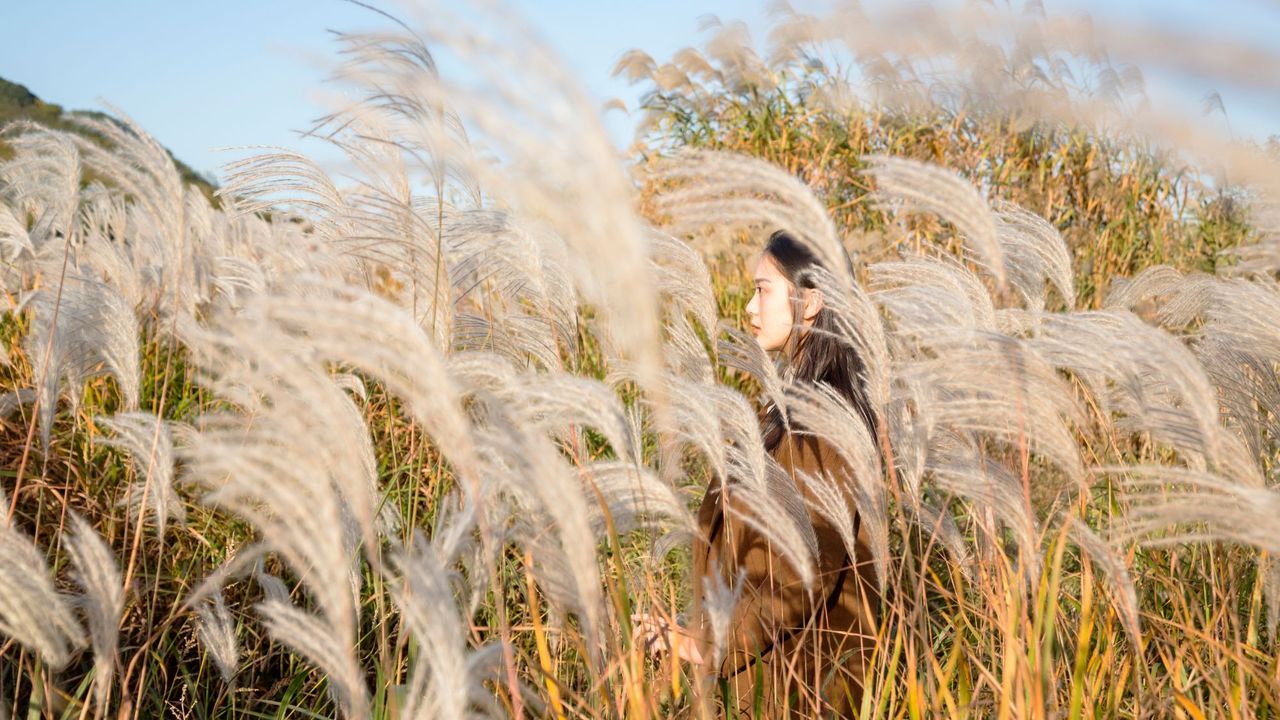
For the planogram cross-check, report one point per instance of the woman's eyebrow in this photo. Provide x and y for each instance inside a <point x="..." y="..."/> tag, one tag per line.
<point x="761" y="279"/>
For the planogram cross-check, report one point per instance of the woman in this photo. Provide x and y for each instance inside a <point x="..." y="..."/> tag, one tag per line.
<point x="790" y="649"/>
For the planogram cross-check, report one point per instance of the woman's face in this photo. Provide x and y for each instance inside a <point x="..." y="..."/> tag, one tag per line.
<point x="770" y="308"/>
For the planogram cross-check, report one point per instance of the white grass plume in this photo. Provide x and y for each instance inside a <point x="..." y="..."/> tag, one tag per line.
<point x="549" y="517"/>
<point x="322" y="409"/>
<point x="969" y="60"/>
<point x="778" y="513"/>
<point x="1151" y="282"/>
<point x="217" y="633"/>
<point x="405" y="242"/>
<point x="1002" y="388"/>
<point x="989" y="486"/>
<point x="1238" y="313"/>
<point x="730" y="48"/>
<point x="719" y="423"/>
<point x="941" y="191"/>
<point x="1123" y="593"/>
<point x="859" y="486"/>
<point x="1227" y="321"/>
<point x="313" y="638"/>
<point x="273" y="588"/>
<point x="384" y="516"/>
<point x="955" y="353"/>
<point x="141" y="168"/>
<point x="283" y="180"/>
<point x="926" y="295"/>
<point x="755" y="487"/>
<point x="514" y="335"/>
<point x="684" y="351"/>
<point x="718" y="600"/>
<point x="827" y="494"/>
<point x="553" y="403"/>
<point x="1170" y="505"/>
<point x="634" y="497"/>
<point x="78" y="327"/>
<point x="1152" y="380"/>
<point x="685" y="287"/>
<point x="288" y="499"/>
<point x="739" y="351"/>
<point x="113" y="246"/>
<point x="490" y="249"/>
<point x="1248" y="387"/>
<point x="860" y="326"/>
<point x="291" y="461"/>
<point x="1263" y="257"/>
<point x="708" y="188"/>
<point x="1035" y="256"/>
<point x="292" y="186"/>
<point x="15" y="242"/>
<point x="307" y="199"/>
<point x="147" y="440"/>
<point x="1239" y="346"/>
<point x="12" y="402"/>
<point x="102" y="600"/>
<point x="518" y="101"/>
<point x="42" y="180"/>
<point x="344" y="324"/>
<point x="32" y="612"/>
<point x="445" y="678"/>
<point x="694" y="420"/>
<point x="682" y="279"/>
<point x="528" y="487"/>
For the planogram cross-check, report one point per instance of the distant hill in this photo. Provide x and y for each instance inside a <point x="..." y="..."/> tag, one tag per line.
<point x="19" y="103"/>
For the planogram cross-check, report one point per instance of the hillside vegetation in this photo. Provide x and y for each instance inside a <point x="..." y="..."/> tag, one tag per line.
<point x="17" y="103"/>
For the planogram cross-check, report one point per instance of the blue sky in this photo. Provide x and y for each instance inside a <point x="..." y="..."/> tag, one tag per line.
<point x="200" y="75"/>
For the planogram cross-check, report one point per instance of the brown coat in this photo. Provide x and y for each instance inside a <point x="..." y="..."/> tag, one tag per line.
<point x="790" y="650"/>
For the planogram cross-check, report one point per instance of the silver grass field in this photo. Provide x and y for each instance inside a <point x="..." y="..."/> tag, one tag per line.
<point x="417" y="440"/>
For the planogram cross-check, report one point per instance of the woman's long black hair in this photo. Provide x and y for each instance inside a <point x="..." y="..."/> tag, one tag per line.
<point x="817" y="353"/>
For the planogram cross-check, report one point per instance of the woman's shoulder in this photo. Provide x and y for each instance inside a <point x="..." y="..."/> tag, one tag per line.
<point x="807" y="451"/>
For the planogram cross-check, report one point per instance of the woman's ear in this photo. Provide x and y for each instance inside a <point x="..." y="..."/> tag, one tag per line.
<point x="812" y="303"/>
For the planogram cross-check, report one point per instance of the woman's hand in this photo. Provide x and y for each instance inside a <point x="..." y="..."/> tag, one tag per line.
<point x="657" y="635"/>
